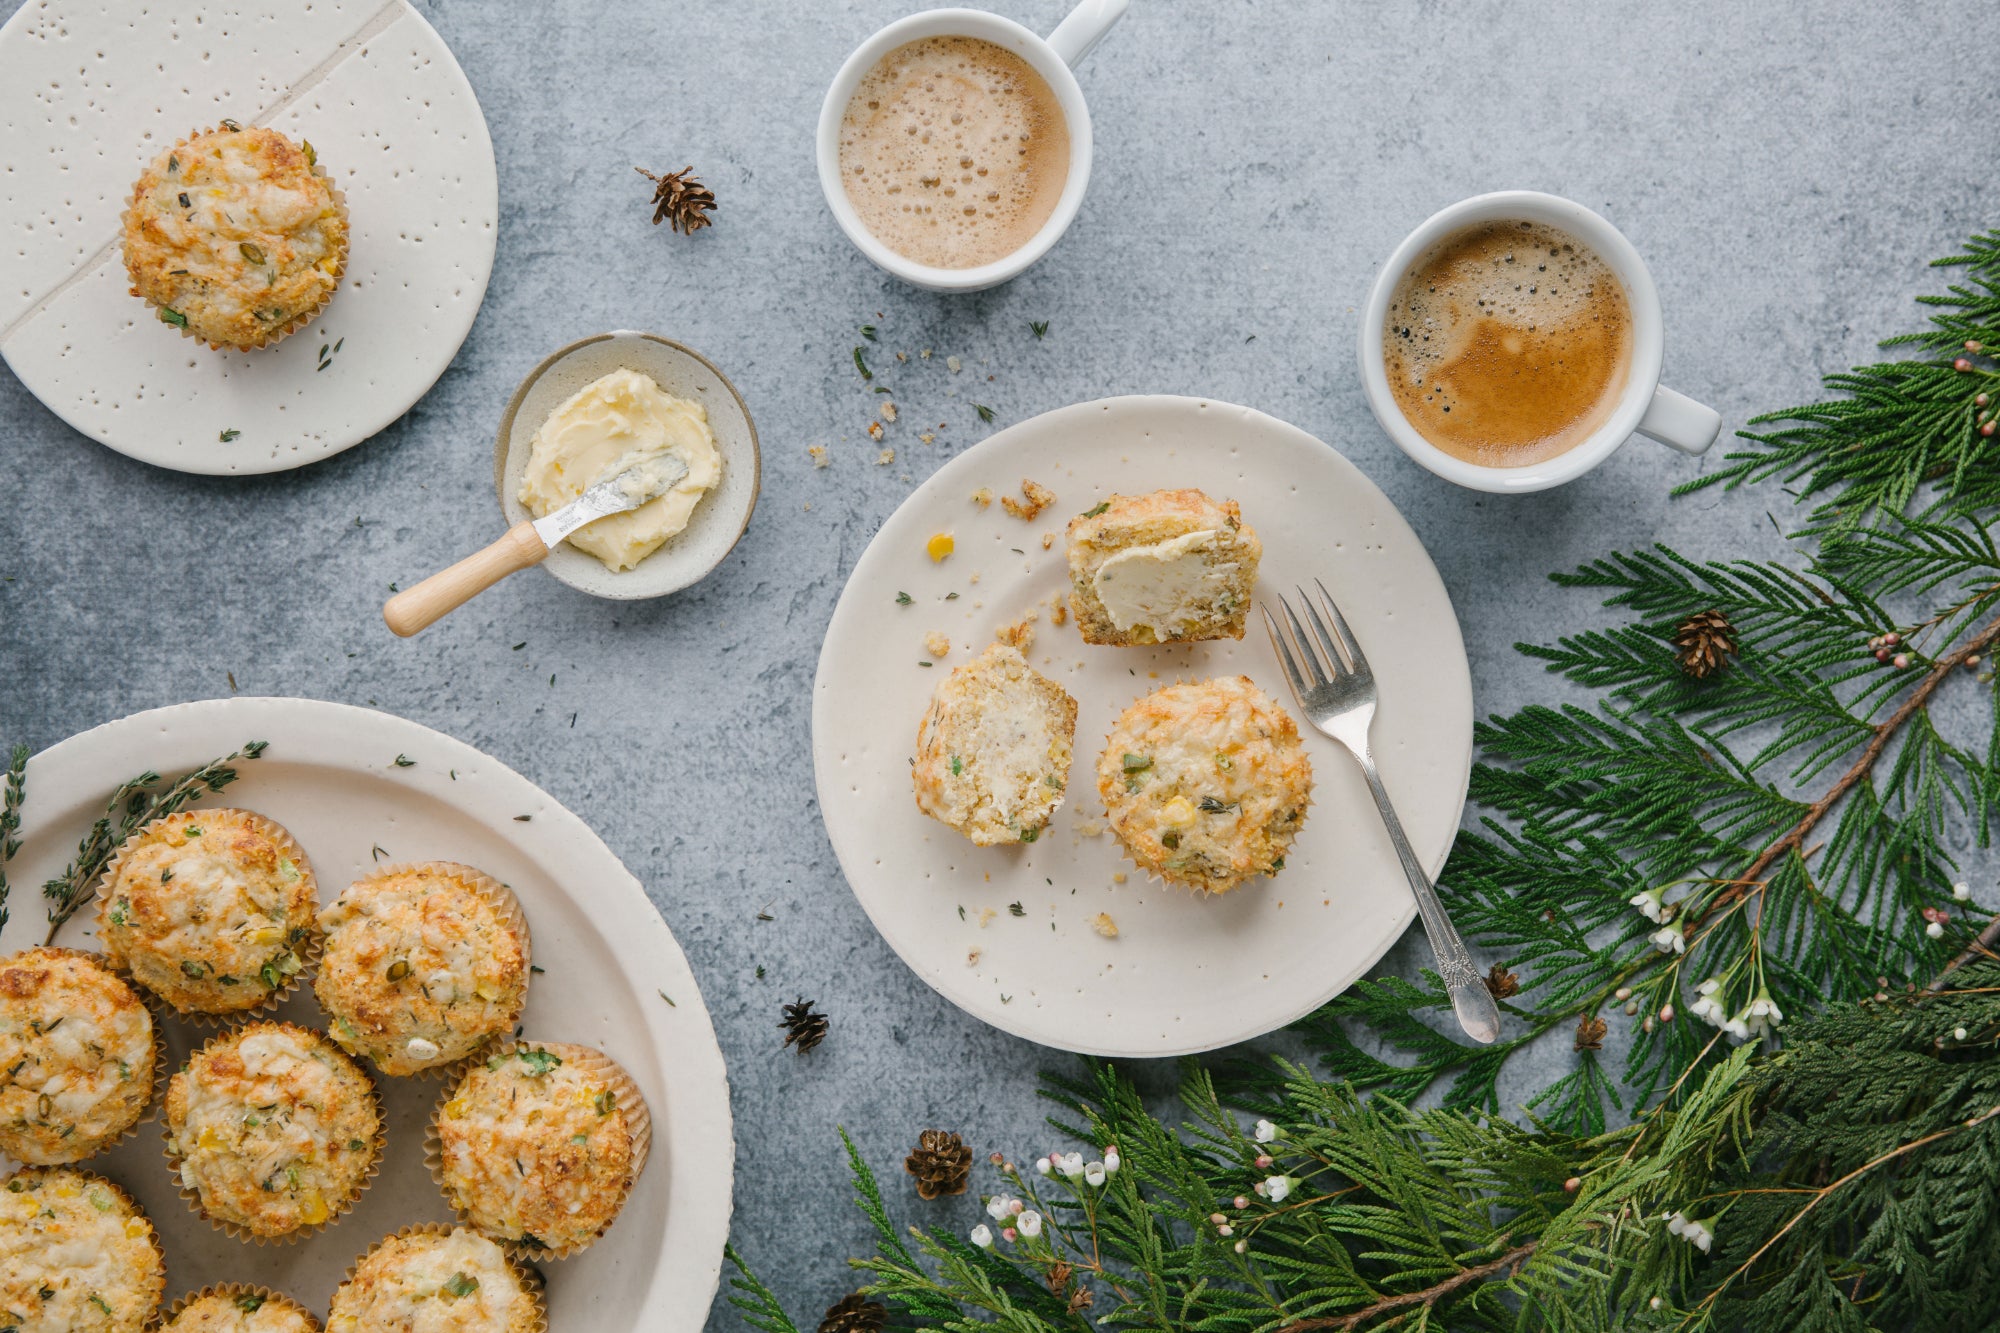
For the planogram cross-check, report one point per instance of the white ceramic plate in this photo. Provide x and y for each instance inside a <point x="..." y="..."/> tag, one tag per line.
<point x="92" y="90"/>
<point x="331" y="778"/>
<point x="722" y="515"/>
<point x="1006" y="932"/>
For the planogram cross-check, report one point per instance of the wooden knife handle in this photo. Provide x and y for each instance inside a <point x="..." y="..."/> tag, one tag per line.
<point x="417" y="608"/>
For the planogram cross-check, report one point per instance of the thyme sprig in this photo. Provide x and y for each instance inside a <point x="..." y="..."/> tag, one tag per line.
<point x="132" y="806"/>
<point x="10" y="819"/>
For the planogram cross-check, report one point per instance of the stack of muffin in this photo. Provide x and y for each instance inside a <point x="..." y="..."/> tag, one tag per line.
<point x="274" y="1130"/>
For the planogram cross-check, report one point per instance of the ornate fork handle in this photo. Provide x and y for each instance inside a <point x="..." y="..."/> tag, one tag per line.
<point x="1477" y="1013"/>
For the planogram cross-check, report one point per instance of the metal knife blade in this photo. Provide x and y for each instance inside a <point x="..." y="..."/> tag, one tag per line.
<point x="615" y="495"/>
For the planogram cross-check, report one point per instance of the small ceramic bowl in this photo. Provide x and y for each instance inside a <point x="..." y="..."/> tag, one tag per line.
<point x="722" y="515"/>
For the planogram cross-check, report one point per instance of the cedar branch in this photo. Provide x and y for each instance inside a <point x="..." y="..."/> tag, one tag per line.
<point x="1428" y="1297"/>
<point x="1884" y="733"/>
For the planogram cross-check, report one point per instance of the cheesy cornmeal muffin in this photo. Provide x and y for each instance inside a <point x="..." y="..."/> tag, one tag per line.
<point x="438" y="1279"/>
<point x="538" y="1146"/>
<point x="211" y="910"/>
<point x="1167" y="567"/>
<point x="76" y="1256"/>
<point x="78" y="1054"/>
<point x="273" y="1130"/>
<point x="1206" y="783"/>
<point x="236" y="236"/>
<point x="994" y="749"/>
<point x="424" y="964"/>
<point x="237" y="1308"/>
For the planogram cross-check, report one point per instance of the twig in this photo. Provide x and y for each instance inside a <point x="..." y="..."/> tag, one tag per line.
<point x="1427" y="1298"/>
<point x="1982" y="947"/>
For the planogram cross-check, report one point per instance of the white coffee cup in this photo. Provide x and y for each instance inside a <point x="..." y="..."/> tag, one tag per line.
<point x="1646" y="406"/>
<point x="1053" y="59"/>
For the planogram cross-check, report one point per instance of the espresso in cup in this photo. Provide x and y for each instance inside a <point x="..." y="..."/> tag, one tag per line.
<point x="954" y="151"/>
<point x="1508" y="343"/>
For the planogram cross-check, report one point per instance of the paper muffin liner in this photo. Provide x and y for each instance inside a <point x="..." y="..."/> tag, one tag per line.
<point x="334" y="1211"/>
<point x="271" y="336"/>
<point x="308" y="949"/>
<point x="638" y="1123"/>
<point x="235" y="1291"/>
<point x="159" y="1283"/>
<point x="502" y="900"/>
<point x="530" y="1277"/>
<point x="156" y="1094"/>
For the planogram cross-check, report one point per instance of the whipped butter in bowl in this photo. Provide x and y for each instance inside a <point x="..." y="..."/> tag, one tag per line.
<point x="604" y="405"/>
<point x="615" y="424"/>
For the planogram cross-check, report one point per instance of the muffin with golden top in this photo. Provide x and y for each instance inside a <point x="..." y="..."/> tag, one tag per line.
<point x="1165" y="567"/>
<point x="994" y="749"/>
<point x="424" y="964"/>
<point x="1206" y="783"/>
<point x="78" y="1055"/>
<point x="438" y="1279"/>
<point x="211" y="910"/>
<point x="538" y="1146"/>
<point x="238" y="1308"/>
<point x="76" y="1255"/>
<point x="273" y="1130"/>
<point x="236" y="236"/>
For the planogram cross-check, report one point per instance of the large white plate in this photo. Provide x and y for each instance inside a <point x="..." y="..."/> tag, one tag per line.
<point x="91" y="90"/>
<point x="330" y="776"/>
<point x="1185" y="973"/>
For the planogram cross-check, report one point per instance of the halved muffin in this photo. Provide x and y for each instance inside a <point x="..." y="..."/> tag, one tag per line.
<point x="236" y="236"/>
<point x="538" y="1145"/>
<point x="1166" y="567"/>
<point x="237" y="1307"/>
<point x="76" y="1255"/>
<point x="994" y="749"/>
<point x="438" y="1279"/>
<point x="273" y="1130"/>
<point x="211" y="910"/>
<point x="1206" y="783"/>
<point x="78" y="1053"/>
<point x="424" y="964"/>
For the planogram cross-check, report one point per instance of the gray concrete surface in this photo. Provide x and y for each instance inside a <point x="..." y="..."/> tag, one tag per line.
<point x="1787" y="171"/>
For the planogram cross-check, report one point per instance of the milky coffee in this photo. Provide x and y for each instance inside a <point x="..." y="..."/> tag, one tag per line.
<point x="1508" y="343"/>
<point x="954" y="151"/>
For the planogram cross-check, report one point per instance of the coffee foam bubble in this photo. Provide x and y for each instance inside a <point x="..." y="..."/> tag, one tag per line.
<point x="953" y="151"/>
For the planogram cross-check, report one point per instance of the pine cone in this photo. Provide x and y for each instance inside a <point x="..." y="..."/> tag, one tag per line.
<point x="680" y="200"/>
<point x="941" y="1163"/>
<point x="1502" y="983"/>
<point x="853" y="1314"/>
<point x="1704" y="641"/>
<point x="1590" y="1033"/>
<point x="803" y="1026"/>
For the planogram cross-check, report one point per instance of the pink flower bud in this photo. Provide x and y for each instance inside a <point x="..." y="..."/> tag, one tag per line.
<point x="1007" y="1233"/>
<point x="1264" y="1159"/>
<point x="1962" y="364"/>
<point x="1241" y="1202"/>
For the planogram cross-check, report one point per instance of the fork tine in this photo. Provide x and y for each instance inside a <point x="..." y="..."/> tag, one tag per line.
<point x="1284" y="655"/>
<point x="1307" y="647"/>
<point x="1325" y="638"/>
<point x="1347" y="639"/>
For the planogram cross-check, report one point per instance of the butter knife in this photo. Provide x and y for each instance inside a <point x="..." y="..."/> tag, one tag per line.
<point x="528" y="543"/>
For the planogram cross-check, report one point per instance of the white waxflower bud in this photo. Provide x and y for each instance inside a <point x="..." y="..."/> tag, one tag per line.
<point x="1112" y="1161"/>
<point x="1958" y="1034"/>
<point x="1242" y="1245"/>
<point x="1277" y="1187"/>
<point x="982" y="1236"/>
<point x="1030" y="1223"/>
<point x="1043" y="1165"/>
<point x="1266" y="1131"/>
<point x="998" y="1208"/>
<point x="1935" y="930"/>
<point x="1961" y="890"/>
<point x="1093" y="1175"/>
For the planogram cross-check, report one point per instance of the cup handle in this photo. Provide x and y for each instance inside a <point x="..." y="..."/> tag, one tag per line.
<point x="1678" y="421"/>
<point x="1077" y="35"/>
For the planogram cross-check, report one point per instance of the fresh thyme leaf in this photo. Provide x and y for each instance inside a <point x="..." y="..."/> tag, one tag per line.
<point x="1015" y="909"/>
<point x="985" y="412"/>
<point x="1040" y="327"/>
<point x="904" y="599"/>
<point x="228" y="435"/>
<point x="404" y="761"/>
<point x="868" y="332"/>
<point x="862" y="365"/>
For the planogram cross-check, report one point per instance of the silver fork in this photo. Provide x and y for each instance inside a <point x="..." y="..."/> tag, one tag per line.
<point x="1337" y="691"/>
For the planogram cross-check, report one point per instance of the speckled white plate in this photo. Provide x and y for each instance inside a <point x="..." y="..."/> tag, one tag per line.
<point x="331" y="778"/>
<point x="1006" y="932"/>
<point x="718" y="521"/>
<point x="92" y="90"/>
